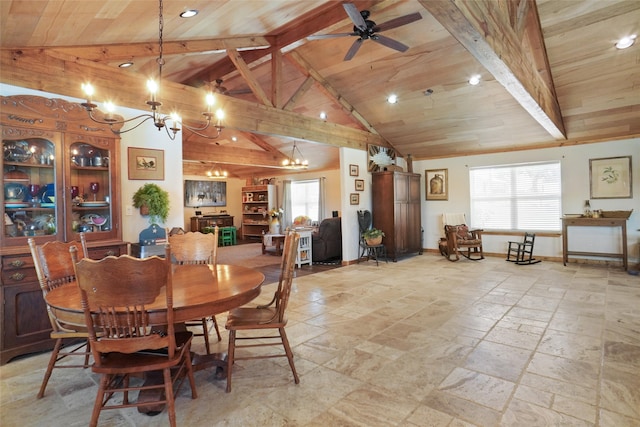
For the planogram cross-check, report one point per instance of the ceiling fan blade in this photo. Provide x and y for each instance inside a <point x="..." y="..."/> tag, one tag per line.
<point x="355" y="16"/>
<point x="393" y="44"/>
<point x="353" y="49"/>
<point x="330" y="36"/>
<point x="398" y="22"/>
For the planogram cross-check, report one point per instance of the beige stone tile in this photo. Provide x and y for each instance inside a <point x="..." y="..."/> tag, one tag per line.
<point x="612" y="419"/>
<point x="571" y="346"/>
<point x="622" y="356"/>
<point x="577" y="324"/>
<point x="498" y="360"/>
<point x="462" y="409"/>
<point x="550" y="385"/>
<point x="522" y="337"/>
<point x="477" y="387"/>
<point x="572" y="371"/>
<point x="425" y="416"/>
<point x="575" y="408"/>
<point x="534" y="396"/>
<point x="520" y="413"/>
<point x="620" y="392"/>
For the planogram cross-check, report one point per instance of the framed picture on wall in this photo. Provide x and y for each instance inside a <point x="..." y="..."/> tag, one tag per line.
<point x="436" y="184"/>
<point x="145" y="163"/>
<point x="359" y="184"/>
<point x="610" y="178"/>
<point x="205" y="193"/>
<point x="354" y="199"/>
<point x="354" y="170"/>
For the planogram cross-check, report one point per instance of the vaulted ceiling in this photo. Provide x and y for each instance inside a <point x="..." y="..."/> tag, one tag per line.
<point x="549" y="73"/>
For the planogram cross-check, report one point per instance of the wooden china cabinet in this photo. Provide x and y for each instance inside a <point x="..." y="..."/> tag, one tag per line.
<point x="60" y="178"/>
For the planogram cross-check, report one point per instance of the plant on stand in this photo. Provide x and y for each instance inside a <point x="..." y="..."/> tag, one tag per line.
<point x="152" y="200"/>
<point x="373" y="236"/>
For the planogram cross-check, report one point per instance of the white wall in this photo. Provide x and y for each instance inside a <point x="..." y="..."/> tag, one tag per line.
<point x="350" y="229"/>
<point x="575" y="189"/>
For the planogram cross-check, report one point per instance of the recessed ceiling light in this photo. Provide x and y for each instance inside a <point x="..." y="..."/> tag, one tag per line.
<point x="474" y="80"/>
<point x="126" y="64"/>
<point x="189" y="13"/>
<point x="428" y="92"/>
<point x="626" y="42"/>
<point x="392" y="99"/>
<point x="323" y="115"/>
<point x="234" y="139"/>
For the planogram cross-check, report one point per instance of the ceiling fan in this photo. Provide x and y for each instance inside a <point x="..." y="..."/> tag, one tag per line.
<point x="218" y="88"/>
<point x="365" y="29"/>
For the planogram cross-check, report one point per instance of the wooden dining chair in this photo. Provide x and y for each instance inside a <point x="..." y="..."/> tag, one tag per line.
<point x="194" y="247"/>
<point x="269" y="316"/>
<point x="54" y="268"/>
<point x="129" y="338"/>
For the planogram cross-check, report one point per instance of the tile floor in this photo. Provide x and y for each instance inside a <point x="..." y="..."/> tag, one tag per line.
<point x="420" y="342"/>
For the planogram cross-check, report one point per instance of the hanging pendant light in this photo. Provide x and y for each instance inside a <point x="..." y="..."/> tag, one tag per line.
<point x="159" y="120"/>
<point x="295" y="162"/>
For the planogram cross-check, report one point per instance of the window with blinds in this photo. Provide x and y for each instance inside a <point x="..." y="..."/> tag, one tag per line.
<point x="305" y="199"/>
<point x="524" y="197"/>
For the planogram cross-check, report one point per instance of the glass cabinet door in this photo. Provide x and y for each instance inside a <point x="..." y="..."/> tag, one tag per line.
<point x="90" y="190"/>
<point x="29" y="196"/>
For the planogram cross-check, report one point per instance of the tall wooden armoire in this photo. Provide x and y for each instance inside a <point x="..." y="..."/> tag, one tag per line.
<point x="396" y="211"/>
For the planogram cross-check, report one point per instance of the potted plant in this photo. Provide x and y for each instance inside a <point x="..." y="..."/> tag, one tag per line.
<point x="373" y="236"/>
<point x="153" y="201"/>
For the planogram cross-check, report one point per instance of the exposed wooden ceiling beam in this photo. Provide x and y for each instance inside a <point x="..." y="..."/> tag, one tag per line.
<point x="123" y="52"/>
<point x="299" y="93"/>
<point x="485" y="32"/>
<point x="230" y="155"/>
<point x="248" y="76"/>
<point x="43" y="72"/>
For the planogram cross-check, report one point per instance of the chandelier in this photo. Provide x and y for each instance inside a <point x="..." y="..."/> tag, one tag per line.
<point x="159" y="120"/>
<point x="217" y="173"/>
<point x="293" y="162"/>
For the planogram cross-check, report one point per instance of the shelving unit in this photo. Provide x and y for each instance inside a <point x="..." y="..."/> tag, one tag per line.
<point x="256" y="202"/>
<point x="304" y="255"/>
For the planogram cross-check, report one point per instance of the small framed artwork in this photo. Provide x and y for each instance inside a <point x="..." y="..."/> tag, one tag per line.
<point x="354" y="199"/>
<point x="437" y="184"/>
<point x="145" y="163"/>
<point x="610" y="178"/>
<point x="359" y="184"/>
<point x="354" y="170"/>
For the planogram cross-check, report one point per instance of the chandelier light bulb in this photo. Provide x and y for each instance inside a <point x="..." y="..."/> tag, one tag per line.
<point x="210" y="100"/>
<point x="152" y="86"/>
<point x="88" y="90"/>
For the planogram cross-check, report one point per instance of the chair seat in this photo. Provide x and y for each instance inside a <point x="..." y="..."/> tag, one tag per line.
<point x="253" y="318"/>
<point x="469" y="242"/>
<point x="144" y="361"/>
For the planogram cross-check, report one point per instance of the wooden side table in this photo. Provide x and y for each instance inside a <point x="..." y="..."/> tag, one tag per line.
<point x="594" y="222"/>
<point x="276" y="240"/>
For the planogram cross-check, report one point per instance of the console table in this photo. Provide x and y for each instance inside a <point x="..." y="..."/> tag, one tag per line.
<point x="199" y="222"/>
<point x="594" y="222"/>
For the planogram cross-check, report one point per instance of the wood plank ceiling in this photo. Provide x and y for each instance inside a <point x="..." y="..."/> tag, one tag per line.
<point x="550" y="74"/>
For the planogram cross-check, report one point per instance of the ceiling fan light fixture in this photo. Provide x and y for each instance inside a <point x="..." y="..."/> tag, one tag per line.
<point x="189" y="13"/>
<point x="626" y="42"/>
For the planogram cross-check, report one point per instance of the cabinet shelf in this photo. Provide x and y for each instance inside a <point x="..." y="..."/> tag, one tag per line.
<point x="262" y="197"/>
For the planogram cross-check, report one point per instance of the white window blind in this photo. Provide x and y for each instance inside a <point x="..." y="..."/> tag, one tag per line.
<point x="516" y="197"/>
<point x="305" y="199"/>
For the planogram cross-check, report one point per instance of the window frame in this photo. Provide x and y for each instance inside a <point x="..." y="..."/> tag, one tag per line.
<point x="515" y="200"/>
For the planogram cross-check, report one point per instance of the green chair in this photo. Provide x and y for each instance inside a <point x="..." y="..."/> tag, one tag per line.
<point x="227" y="235"/>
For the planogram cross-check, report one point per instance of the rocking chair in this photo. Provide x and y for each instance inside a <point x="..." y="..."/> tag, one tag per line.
<point x="460" y="240"/>
<point x="523" y="251"/>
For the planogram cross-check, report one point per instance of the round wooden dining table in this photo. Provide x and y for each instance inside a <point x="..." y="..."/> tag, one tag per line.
<point x="198" y="291"/>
